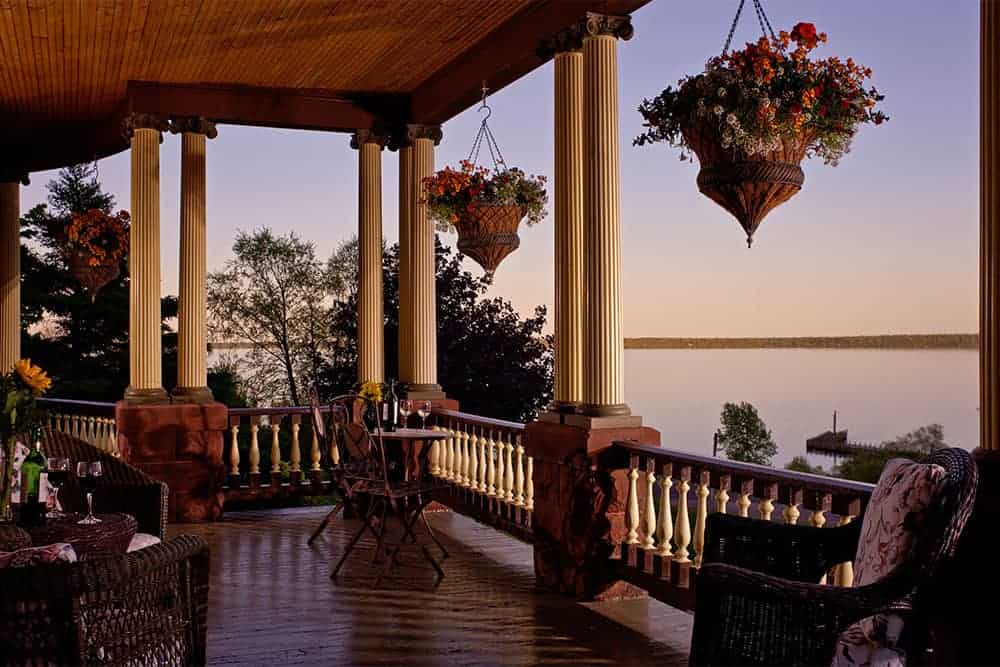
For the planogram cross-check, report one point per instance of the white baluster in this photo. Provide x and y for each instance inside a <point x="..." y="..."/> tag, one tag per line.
<point x="508" y="469"/>
<point x="701" y="515"/>
<point x="315" y="455"/>
<point x="792" y="512"/>
<point x="766" y="506"/>
<point x="491" y="467"/>
<point x="518" y="474"/>
<point x="665" y="529"/>
<point x="483" y="485"/>
<point x="451" y="445"/>
<point x="818" y="518"/>
<point x="722" y="495"/>
<point x="234" y="448"/>
<point x="529" y="484"/>
<point x="295" y="454"/>
<point x="649" y="529"/>
<point x="275" y="450"/>
<point x="682" y="529"/>
<point x="473" y="460"/>
<point x="844" y="575"/>
<point x="436" y="453"/>
<point x="254" y="446"/>
<point x="746" y="489"/>
<point x="632" y="516"/>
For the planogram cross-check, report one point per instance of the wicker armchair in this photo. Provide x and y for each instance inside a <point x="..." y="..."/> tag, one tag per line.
<point x="145" y="608"/>
<point x="123" y="488"/>
<point x="759" y="601"/>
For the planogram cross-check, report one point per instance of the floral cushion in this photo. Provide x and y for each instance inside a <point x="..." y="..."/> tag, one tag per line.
<point x="30" y="556"/>
<point x="141" y="541"/>
<point x="895" y="518"/>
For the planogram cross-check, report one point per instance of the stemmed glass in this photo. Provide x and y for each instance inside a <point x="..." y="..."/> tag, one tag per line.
<point x="406" y="409"/>
<point x="58" y="473"/>
<point x="424" y="411"/>
<point x="88" y="474"/>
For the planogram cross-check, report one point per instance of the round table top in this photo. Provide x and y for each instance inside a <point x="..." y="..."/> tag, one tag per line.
<point x="108" y="538"/>
<point x="414" y="434"/>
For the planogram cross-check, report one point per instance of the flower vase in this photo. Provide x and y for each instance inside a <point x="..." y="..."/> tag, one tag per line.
<point x="370" y="416"/>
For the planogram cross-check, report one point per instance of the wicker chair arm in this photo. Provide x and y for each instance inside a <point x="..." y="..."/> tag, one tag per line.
<point x="798" y="553"/>
<point x="739" y="613"/>
<point x="146" y="501"/>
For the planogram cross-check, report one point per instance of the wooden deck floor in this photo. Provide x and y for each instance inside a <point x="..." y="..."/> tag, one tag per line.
<point x="272" y="602"/>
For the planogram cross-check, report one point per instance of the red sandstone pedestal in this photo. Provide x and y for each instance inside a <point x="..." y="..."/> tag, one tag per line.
<point x="579" y="514"/>
<point x="179" y="444"/>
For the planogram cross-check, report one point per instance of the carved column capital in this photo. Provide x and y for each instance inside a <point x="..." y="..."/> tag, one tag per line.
<point x="369" y="137"/>
<point x="14" y="175"/>
<point x="150" y="121"/>
<point x="595" y="25"/>
<point x="193" y="125"/>
<point x="410" y="132"/>
<point x="567" y="39"/>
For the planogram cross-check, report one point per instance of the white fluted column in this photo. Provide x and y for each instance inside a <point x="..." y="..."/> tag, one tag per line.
<point x="10" y="275"/>
<point x="421" y="327"/>
<point x="989" y="224"/>
<point x="568" y="182"/>
<point x="145" y="340"/>
<point x="192" y="344"/>
<point x="603" y="344"/>
<point x="405" y="300"/>
<point x="370" y="318"/>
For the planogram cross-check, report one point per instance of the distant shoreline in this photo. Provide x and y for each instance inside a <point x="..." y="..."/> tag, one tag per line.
<point x="886" y="342"/>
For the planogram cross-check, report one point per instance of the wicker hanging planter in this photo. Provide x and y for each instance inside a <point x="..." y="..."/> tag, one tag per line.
<point x="748" y="188"/>
<point x="92" y="274"/>
<point x="488" y="234"/>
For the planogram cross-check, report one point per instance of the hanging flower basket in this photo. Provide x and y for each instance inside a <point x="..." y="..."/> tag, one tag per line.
<point x="753" y="115"/>
<point x="485" y="208"/>
<point x="96" y="243"/>
<point x="487" y="234"/>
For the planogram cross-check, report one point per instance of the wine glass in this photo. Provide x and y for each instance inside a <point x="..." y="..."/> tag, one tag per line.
<point x="424" y="411"/>
<point x="58" y="473"/>
<point x="88" y="474"/>
<point x="405" y="409"/>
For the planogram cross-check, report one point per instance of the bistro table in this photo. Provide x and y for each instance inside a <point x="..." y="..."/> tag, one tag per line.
<point x="414" y="448"/>
<point x="111" y="537"/>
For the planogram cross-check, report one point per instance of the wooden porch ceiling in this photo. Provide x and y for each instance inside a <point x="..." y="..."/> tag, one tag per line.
<point x="69" y="71"/>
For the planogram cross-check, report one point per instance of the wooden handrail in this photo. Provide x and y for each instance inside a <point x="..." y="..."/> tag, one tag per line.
<point x="71" y="406"/>
<point x="478" y="420"/>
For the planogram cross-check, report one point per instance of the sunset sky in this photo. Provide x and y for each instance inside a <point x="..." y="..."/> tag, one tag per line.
<point x="884" y="243"/>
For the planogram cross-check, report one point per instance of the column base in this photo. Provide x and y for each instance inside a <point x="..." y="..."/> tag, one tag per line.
<point x="180" y="445"/>
<point x="605" y="410"/>
<point x="192" y="395"/>
<point x="424" y="392"/>
<point x="579" y="515"/>
<point x="135" y="396"/>
<point x="564" y="407"/>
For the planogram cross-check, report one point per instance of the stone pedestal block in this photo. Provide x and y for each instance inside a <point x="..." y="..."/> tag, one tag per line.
<point x="180" y="445"/>
<point x="579" y="509"/>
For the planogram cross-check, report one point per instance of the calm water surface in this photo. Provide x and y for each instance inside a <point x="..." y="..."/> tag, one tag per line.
<point x="878" y="394"/>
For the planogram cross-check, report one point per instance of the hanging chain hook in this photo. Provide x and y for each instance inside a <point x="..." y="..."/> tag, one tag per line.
<point x="483" y="105"/>
<point x="765" y="24"/>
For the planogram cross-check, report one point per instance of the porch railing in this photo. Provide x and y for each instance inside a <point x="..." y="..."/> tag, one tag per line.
<point x="670" y="495"/>
<point x="291" y="461"/>
<point x="90" y="421"/>
<point x="486" y="469"/>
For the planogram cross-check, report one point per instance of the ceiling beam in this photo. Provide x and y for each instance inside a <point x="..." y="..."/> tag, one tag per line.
<point x="503" y="56"/>
<point x="332" y="111"/>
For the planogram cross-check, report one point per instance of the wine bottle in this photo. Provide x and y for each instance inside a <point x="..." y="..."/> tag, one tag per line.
<point x="32" y="510"/>
<point x="392" y="405"/>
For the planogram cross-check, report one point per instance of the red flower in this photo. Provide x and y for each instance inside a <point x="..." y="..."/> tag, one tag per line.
<point x="804" y="32"/>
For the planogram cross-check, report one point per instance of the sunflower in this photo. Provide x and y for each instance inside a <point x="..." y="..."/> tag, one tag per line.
<point x="371" y="392"/>
<point x="33" y="376"/>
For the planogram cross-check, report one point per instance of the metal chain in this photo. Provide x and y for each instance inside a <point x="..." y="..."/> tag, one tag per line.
<point x="486" y="134"/>
<point x="765" y="24"/>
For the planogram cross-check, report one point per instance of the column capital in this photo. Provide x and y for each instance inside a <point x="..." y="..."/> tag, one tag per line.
<point x="148" y="121"/>
<point x="596" y="25"/>
<point x="14" y="175"/>
<point x="409" y="133"/>
<point x="193" y="125"/>
<point x="369" y="137"/>
<point x="567" y="39"/>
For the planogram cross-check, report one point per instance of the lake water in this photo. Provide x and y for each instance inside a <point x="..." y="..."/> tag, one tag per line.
<point x="878" y="394"/>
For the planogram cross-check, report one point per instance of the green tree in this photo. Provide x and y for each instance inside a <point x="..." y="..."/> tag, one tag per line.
<point x="274" y="294"/>
<point x="923" y="440"/>
<point x="744" y="436"/>
<point x="490" y="359"/>
<point x="801" y="464"/>
<point x="82" y="345"/>
<point x="918" y="444"/>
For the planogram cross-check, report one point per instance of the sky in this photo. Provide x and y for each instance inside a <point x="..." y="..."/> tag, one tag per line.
<point x="887" y="242"/>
